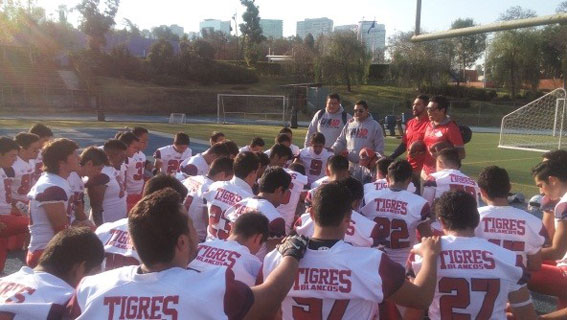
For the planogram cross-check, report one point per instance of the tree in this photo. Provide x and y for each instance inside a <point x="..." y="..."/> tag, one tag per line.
<point x="554" y="48"/>
<point x="251" y="31"/>
<point x="345" y="59"/>
<point x="204" y="49"/>
<point x="419" y="63"/>
<point x="161" y="56"/>
<point x="96" y="22"/>
<point x="309" y="41"/>
<point x="467" y="49"/>
<point x="514" y="56"/>
<point x="132" y="28"/>
<point x="165" y="33"/>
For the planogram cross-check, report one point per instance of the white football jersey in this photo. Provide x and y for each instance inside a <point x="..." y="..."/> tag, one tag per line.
<point x="231" y="254"/>
<point x="50" y="188"/>
<point x="398" y="213"/>
<point x="362" y="232"/>
<point x="135" y="173"/>
<point x="294" y="150"/>
<point x="338" y="281"/>
<point x="7" y="178"/>
<point x="23" y="179"/>
<point x="221" y="196"/>
<point x="114" y="206"/>
<point x="380" y="184"/>
<point x="474" y="278"/>
<point x="118" y="248"/>
<point x="77" y="194"/>
<point x="449" y="180"/>
<point x="171" y="159"/>
<point x="314" y="164"/>
<point x="317" y="183"/>
<point x="289" y="205"/>
<point x="195" y="166"/>
<point x="195" y="202"/>
<point x="127" y="293"/>
<point x="29" y="294"/>
<point x="38" y="167"/>
<point x="512" y="228"/>
<point x="244" y="149"/>
<point x="560" y="213"/>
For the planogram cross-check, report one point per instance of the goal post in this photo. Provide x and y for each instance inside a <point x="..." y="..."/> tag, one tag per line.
<point x="177" y="118"/>
<point x="540" y="125"/>
<point x="258" y="107"/>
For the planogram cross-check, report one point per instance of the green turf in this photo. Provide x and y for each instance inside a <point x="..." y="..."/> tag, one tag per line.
<point x="482" y="151"/>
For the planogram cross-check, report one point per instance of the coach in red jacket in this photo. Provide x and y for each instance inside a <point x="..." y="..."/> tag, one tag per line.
<point x="415" y="131"/>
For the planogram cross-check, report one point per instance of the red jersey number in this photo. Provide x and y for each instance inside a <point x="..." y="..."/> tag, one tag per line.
<point x="139" y="175"/>
<point x="462" y="297"/>
<point x="459" y="187"/>
<point x="215" y="217"/>
<point x="396" y="230"/>
<point x="172" y="166"/>
<point x="312" y="309"/>
<point x="25" y="184"/>
<point x="315" y="167"/>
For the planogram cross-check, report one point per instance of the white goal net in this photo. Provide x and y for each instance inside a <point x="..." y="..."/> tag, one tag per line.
<point x="234" y="107"/>
<point x="540" y="125"/>
<point x="177" y="118"/>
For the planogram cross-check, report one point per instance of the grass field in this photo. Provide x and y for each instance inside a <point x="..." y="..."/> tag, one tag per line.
<point x="481" y="151"/>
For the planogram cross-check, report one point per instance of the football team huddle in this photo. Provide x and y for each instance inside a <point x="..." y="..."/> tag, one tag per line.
<point x="329" y="231"/>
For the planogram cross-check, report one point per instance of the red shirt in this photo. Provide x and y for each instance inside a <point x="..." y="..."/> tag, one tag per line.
<point x="445" y="131"/>
<point x="415" y="130"/>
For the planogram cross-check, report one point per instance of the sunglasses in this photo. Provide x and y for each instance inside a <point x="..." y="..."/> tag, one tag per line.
<point x="359" y="110"/>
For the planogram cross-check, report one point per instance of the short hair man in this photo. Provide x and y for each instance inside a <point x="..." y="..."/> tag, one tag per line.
<point x="336" y="169"/>
<point x="43" y="292"/>
<point x="10" y="224"/>
<point x="256" y="145"/>
<point x="248" y="234"/>
<point x="362" y="131"/>
<point x="24" y="167"/>
<point x="483" y="272"/>
<point x="506" y="226"/>
<point x="362" y="232"/>
<point x="273" y="187"/>
<point x="398" y="212"/>
<point x="279" y="155"/>
<point x="314" y="157"/>
<point x="294" y="149"/>
<point x="329" y="122"/>
<point x="415" y="131"/>
<point x="107" y="192"/>
<point x="224" y="194"/>
<point x="199" y="163"/>
<point x="119" y="251"/>
<point x="440" y="129"/>
<point x="448" y="177"/>
<point x="49" y="197"/>
<point x="221" y="170"/>
<point x="45" y="135"/>
<point x="133" y="167"/>
<point x="232" y="148"/>
<point x="163" y="235"/>
<point x="362" y="276"/>
<point x="168" y="158"/>
<point x="216" y="137"/>
<point x="551" y="178"/>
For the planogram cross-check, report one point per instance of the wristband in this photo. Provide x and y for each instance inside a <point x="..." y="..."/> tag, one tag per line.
<point x="521" y="304"/>
<point x="293" y="246"/>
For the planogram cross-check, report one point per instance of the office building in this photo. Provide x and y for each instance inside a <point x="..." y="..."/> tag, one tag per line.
<point x="372" y="34"/>
<point x="314" y="26"/>
<point x="348" y="27"/>
<point x="214" y="25"/>
<point x="272" y="28"/>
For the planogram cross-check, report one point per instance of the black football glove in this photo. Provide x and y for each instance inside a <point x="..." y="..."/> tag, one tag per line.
<point x="293" y="246"/>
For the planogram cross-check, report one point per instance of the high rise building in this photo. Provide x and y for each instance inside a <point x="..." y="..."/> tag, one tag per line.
<point x="314" y="26"/>
<point x="214" y="25"/>
<point x="272" y="28"/>
<point x="347" y="27"/>
<point x="372" y="34"/>
<point x="178" y="30"/>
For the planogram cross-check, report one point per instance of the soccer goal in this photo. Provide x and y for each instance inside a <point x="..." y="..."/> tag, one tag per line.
<point x="540" y="125"/>
<point x="234" y="107"/>
<point x="177" y="118"/>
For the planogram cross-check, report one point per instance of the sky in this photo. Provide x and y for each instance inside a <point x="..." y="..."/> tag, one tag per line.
<point x="396" y="15"/>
